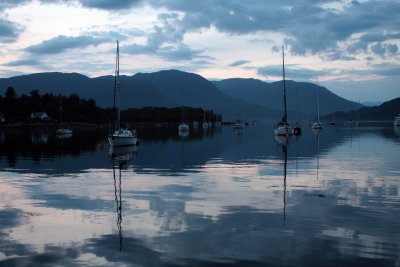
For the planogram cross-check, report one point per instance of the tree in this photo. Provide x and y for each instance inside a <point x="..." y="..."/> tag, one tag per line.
<point x="10" y="93"/>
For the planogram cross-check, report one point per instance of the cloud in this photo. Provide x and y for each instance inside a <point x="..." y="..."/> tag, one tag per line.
<point x="178" y="53"/>
<point x="238" y="63"/>
<point x="110" y="5"/>
<point x="23" y="62"/>
<point x="292" y="72"/>
<point x="11" y="3"/>
<point x="166" y="41"/>
<point x="61" y="43"/>
<point x="308" y="27"/>
<point x="9" y="31"/>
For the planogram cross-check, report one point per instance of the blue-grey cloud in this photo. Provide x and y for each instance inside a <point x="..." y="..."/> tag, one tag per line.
<point x="308" y="26"/>
<point x="178" y="53"/>
<point x="11" y="3"/>
<point x="166" y="41"/>
<point x="238" y="63"/>
<point x="110" y="5"/>
<point x="23" y="62"/>
<point x="61" y="43"/>
<point x="292" y="72"/>
<point x="9" y="31"/>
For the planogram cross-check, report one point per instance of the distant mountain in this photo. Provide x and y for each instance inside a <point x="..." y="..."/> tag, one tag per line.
<point x="163" y="88"/>
<point x="134" y="92"/>
<point x="190" y="89"/>
<point x="233" y="98"/>
<point x="384" y="112"/>
<point x="301" y="96"/>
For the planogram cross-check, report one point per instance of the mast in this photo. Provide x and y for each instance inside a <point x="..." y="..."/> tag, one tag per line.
<point x="116" y="90"/>
<point x="61" y="111"/>
<point x="284" y="87"/>
<point x="317" y="101"/>
<point x="182" y="120"/>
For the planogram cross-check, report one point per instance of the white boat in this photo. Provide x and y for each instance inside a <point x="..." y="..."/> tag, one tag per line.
<point x="238" y="125"/>
<point x="62" y="130"/>
<point x="283" y="128"/>
<point x="396" y="121"/>
<point x="317" y="125"/>
<point x="121" y="136"/>
<point x="205" y="124"/>
<point x="183" y="127"/>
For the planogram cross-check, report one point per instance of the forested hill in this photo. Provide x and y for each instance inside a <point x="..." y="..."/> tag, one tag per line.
<point x="384" y="112"/>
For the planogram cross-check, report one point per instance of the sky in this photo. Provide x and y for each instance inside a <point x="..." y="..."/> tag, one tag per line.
<point x="352" y="47"/>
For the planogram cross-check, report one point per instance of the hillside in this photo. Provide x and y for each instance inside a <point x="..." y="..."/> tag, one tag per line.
<point x="233" y="98"/>
<point x="301" y="96"/>
<point x="384" y="112"/>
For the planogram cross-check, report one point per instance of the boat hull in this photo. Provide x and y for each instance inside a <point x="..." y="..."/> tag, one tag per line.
<point x="183" y="127"/>
<point x="317" y="125"/>
<point x="63" y="131"/>
<point x="396" y="121"/>
<point x="284" y="131"/>
<point x="117" y="141"/>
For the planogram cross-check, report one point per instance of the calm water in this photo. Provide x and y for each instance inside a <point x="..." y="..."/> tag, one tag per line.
<point x="216" y="198"/>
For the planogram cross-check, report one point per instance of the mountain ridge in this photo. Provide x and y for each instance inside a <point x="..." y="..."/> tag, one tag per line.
<point x="234" y="98"/>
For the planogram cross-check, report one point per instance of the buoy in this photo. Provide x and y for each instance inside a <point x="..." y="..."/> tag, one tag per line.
<point x="100" y="146"/>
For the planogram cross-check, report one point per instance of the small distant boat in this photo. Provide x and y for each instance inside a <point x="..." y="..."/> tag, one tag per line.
<point x="296" y="129"/>
<point x="218" y="124"/>
<point x="183" y="127"/>
<point x="283" y="128"/>
<point x="65" y="132"/>
<point x="205" y="124"/>
<point x="350" y="122"/>
<point x="333" y="121"/>
<point x="396" y="121"/>
<point x="238" y="125"/>
<point x="317" y="125"/>
<point x="121" y="135"/>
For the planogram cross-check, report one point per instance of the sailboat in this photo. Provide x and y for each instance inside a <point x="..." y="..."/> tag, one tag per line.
<point x="317" y="124"/>
<point x="183" y="127"/>
<point x="283" y="128"/>
<point x="238" y="124"/>
<point x="62" y="131"/>
<point x="333" y="121"/>
<point x="205" y="123"/>
<point x="121" y="136"/>
<point x="396" y="121"/>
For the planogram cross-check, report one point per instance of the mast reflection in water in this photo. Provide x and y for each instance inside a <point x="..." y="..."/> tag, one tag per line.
<point x="120" y="157"/>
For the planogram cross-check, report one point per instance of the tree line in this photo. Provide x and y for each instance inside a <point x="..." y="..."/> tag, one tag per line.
<point x="75" y="109"/>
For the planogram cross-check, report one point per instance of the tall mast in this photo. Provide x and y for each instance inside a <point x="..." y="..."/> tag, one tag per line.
<point x="116" y="89"/>
<point x="182" y="119"/>
<point x="284" y="86"/>
<point x="317" y="101"/>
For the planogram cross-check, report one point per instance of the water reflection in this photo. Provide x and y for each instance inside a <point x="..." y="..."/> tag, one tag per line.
<point x="120" y="157"/>
<point x="214" y="200"/>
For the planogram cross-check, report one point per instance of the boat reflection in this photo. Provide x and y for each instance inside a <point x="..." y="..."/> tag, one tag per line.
<point x="283" y="142"/>
<point x="63" y="135"/>
<point x="120" y="156"/>
<point x="397" y="130"/>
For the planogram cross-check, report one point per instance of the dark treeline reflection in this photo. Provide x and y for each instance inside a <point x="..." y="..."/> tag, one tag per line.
<point x="163" y="150"/>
